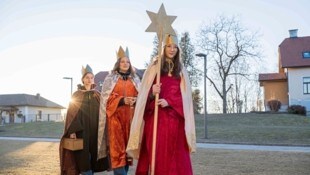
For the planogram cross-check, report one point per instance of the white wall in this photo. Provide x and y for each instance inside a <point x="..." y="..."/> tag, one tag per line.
<point x="30" y="113"/>
<point x="51" y="113"/>
<point x="295" y="87"/>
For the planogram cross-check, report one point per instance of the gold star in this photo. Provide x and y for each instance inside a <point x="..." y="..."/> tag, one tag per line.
<point x="161" y="23"/>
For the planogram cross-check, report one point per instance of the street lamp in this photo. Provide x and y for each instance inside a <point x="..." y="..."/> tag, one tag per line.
<point x="69" y="78"/>
<point x="205" y="91"/>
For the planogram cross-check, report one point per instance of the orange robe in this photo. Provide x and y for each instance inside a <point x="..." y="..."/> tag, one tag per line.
<point x="118" y="121"/>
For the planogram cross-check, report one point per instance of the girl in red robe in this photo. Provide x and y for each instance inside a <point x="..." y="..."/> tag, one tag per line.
<point x="176" y="130"/>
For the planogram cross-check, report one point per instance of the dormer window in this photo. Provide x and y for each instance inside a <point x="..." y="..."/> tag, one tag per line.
<point x="306" y="54"/>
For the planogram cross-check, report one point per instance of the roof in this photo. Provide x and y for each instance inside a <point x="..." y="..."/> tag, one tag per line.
<point x="272" y="77"/>
<point x="27" y="100"/>
<point x="291" y="52"/>
<point x="140" y="72"/>
<point x="100" y="76"/>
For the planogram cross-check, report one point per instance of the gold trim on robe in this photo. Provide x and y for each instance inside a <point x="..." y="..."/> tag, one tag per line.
<point x="137" y="125"/>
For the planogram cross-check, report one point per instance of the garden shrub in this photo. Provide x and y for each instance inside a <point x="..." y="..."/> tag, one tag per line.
<point x="296" y="109"/>
<point x="274" y="105"/>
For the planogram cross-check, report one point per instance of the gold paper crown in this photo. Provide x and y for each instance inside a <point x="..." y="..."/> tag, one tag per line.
<point x="86" y="70"/>
<point x="121" y="53"/>
<point x="171" y="39"/>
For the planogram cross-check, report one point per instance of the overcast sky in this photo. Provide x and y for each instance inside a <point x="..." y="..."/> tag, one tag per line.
<point x="42" y="41"/>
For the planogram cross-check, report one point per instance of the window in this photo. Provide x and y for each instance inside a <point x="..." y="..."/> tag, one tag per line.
<point x="306" y="54"/>
<point x="306" y="85"/>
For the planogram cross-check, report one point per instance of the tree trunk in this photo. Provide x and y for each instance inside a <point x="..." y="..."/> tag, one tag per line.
<point x="224" y="98"/>
<point x="0" y="117"/>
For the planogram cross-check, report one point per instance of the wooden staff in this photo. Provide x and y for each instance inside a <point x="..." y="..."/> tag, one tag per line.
<point x="156" y="101"/>
<point x="161" y="24"/>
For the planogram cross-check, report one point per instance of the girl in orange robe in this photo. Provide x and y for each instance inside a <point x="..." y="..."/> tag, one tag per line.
<point x="118" y="95"/>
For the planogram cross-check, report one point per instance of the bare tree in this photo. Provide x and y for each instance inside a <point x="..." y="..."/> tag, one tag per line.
<point x="214" y="105"/>
<point x="245" y="97"/>
<point x="259" y="99"/>
<point x="1" y="116"/>
<point x="227" y="44"/>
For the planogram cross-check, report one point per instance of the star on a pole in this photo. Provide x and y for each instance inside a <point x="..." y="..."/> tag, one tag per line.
<point x="161" y="22"/>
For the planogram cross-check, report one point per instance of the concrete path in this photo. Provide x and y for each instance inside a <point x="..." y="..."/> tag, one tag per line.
<point x="254" y="147"/>
<point x="30" y="139"/>
<point x="199" y="145"/>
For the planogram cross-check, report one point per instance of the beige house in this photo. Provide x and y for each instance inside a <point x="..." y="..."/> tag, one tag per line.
<point x="19" y="108"/>
<point x="275" y="88"/>
<point x="291" y="85"/>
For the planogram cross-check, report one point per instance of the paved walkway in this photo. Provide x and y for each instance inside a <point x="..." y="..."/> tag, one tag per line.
<point x="30" y="139"/>
<point x="254" y="147"/>
<point x="199" y="145"/>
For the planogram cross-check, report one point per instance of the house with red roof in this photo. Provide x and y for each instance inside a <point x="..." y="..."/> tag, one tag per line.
<point x="291" y="85"/>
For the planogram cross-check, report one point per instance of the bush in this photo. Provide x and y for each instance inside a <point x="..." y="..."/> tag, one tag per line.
<point x="296" y="109"/>
<point x="274" y="105"/>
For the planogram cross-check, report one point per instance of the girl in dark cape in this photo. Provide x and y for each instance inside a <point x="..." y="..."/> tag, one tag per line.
<point x="82" y="122"/>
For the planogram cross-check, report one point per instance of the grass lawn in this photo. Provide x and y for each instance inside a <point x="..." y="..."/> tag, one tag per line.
<point x="33" y="129"/>
<point x="250" y="128"/>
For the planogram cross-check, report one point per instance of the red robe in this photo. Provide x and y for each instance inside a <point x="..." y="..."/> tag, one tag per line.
<point x="172" y="152"/>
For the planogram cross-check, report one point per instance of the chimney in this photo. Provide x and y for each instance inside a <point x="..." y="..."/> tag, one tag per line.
<point x="293" y="33"/>
<point x="38" y="96"/>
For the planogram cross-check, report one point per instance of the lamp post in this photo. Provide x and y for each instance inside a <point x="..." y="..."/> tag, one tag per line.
<point x="69" y="78"/>
<point x="205" y="91"/>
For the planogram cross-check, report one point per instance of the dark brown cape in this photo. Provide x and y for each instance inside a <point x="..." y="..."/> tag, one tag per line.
<point x="78" y="114"/>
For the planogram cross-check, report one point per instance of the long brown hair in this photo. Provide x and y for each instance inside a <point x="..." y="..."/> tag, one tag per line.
<point x="117" y="66"/>
<point x="176" y="61"/>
